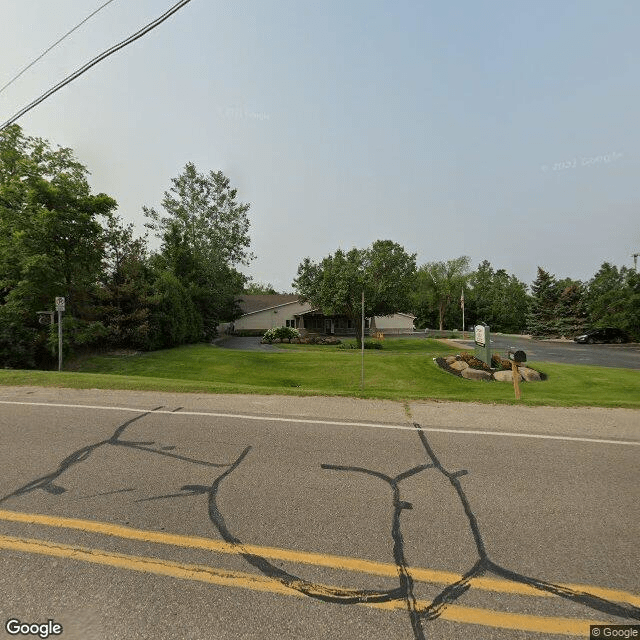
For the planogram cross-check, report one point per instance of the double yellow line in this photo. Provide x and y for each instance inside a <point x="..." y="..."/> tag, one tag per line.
<point x="256" y="582"/>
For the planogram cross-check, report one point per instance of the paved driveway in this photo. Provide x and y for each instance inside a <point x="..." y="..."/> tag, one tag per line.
<point x="625" y="356"/>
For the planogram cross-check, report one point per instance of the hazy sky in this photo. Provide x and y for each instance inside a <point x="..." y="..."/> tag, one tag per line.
<point x="506" y="131"/>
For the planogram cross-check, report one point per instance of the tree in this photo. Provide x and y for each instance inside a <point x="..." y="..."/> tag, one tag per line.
<point x="570" y="312"/>
<point x="613" y="299"/>
<point x="439" y="284"/>
<point x="384" y="271"/>
<point x="257" y="288"/>
<point x="125" y="288"/>
<point x="481" y="298"/>
<point x="205" y="234"/>
<point x="204" y="210"/>
<point x="51" y="240"/>
<point x="541" y="319"/>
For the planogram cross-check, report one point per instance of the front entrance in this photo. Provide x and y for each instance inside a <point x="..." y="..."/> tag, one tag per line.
<point x="329" y="328"/>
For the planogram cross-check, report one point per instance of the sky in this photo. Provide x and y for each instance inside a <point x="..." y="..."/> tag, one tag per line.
<point x="505" y="131"/>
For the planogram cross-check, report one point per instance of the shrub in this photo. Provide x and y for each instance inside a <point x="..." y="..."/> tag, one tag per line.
<point x="499" y="362"/>
<point x="368" y="344"/>
<point x="280" y="333"/>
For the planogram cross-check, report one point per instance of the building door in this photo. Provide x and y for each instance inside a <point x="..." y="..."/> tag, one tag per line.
<point x="328" y="326"/>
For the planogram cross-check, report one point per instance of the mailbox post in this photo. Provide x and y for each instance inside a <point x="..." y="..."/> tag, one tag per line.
<point x="516" y="357"/>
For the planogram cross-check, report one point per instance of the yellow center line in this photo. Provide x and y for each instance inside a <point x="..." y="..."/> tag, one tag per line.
<point x="343" y="563"/>
<point x="255" y="582"/>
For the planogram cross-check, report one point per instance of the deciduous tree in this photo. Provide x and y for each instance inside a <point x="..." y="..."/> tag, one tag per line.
<point x="439" y="285"/>
<point x="384" y="271"/>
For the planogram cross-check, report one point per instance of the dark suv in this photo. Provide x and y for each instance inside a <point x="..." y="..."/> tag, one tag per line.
<point x="607" y="334"/>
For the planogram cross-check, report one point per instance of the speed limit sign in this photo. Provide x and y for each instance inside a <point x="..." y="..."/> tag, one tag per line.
<point x="59" y="304"/>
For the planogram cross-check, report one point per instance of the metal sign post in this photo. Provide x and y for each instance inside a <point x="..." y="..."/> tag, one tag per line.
<point x="60" y="308"/>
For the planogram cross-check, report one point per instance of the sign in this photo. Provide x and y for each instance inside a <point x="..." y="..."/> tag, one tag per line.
<point x="482" y="350"/>
<point x="59" y="304"/>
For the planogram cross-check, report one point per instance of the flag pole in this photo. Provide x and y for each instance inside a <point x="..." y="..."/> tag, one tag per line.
<point x="462" y="305"/>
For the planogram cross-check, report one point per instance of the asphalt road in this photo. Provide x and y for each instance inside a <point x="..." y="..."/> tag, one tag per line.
<point x="143" y="515"/>
<point x="624" y="356"/>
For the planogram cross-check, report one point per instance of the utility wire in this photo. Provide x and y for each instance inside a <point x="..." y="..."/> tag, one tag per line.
<point x="105" y="54"/>
<point x="55" y="44"/>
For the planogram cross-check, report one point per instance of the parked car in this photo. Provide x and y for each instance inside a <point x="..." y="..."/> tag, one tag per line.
<point x="607" y="334"/>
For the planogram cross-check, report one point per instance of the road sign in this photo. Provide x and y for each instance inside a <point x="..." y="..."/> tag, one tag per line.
<point x="60" y="304"/>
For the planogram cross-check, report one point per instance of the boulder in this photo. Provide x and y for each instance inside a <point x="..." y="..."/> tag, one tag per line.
<point x="450" y="359"/>
<point x="459" y="365"/>
<point x="529" y="375"/>
<point x="505" y="376"/>
<point x="475" y="374"/>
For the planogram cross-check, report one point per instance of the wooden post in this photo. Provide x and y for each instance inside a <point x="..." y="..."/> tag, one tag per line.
<point x="516" y="378"/>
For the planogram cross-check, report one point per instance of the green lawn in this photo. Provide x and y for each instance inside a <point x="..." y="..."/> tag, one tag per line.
<point x="403" y="370"/>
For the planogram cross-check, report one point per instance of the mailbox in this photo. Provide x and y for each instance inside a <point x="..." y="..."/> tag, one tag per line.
<point x="517" y="356"/>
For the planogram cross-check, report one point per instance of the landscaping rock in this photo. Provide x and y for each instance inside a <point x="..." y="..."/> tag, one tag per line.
<point x="459" y="365"/>
<point x="475" y="374"/>
<point x="505" y="376"/>
<point x="529" y="375"/>
<point x="450" y="359"/>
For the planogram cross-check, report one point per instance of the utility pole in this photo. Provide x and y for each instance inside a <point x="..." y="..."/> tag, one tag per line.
<point x="362" y="343"/>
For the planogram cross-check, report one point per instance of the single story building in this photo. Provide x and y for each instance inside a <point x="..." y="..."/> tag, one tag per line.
<point x="262" y="312"/>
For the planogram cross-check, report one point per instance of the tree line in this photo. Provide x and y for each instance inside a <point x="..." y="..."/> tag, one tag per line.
<point x="436" y="291"/>
<point x="59" y="239"/>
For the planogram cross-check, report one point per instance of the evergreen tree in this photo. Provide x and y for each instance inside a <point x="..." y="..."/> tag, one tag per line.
<point x="571" y="314"/>
<point x="541" y="319"/>
<point x="613" y="299"/>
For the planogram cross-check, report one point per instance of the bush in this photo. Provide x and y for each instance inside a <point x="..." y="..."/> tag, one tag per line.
<point x="280" y="333"/>
<point x="368" y="344"/>
<point x="499" y="362"/>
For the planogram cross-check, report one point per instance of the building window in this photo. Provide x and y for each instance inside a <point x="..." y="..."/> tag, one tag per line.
<point x="291" y="323"/>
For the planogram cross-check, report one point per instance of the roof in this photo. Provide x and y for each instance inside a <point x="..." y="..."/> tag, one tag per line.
<point x="250" y="303"/>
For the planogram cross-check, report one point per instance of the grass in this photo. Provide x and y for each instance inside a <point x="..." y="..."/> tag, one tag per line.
<point x="403" y="370"/>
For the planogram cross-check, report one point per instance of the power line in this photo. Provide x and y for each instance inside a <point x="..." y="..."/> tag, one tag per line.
<point x="105" y="54"/>
<point x="55" y="44"/>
